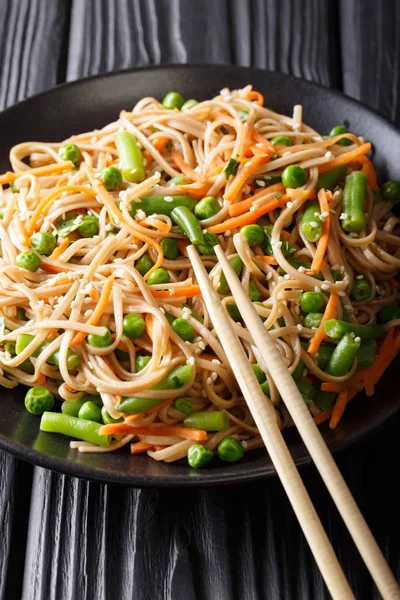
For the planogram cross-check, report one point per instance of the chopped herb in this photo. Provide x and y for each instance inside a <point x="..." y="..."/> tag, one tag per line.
<point x="243" y="114"/>
<point x="260" y="182"/>
<point x="13" y="188"/>
<point x="231" y="168"/>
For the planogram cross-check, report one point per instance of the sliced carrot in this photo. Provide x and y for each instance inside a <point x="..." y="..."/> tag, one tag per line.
<point x="10" y="176"/>
<point x="241" y="207"/>
<point x="340" y="406"/>
<point x="249" y="217"/>
<point x="318" y="259"/>
<point x="149" y="325"/>
<point x="387" y="352"/>
<point x="285" y="235"/>
<point x="197" y="435"/>
<point x="51" y="268"/>
<point x="323" y="416"/>
<point x="303" y="194"/>
<point x="194" y="190"/>
<point x="345" y="158"/>
<point x="184" y="291"/>
<point x="94" y="294"/>
<point x="330" y="313"/>
<point x="64" y="245"/>
<point x="182" y="245"/>
<point x="98" y="311"/>
<point x="249" y="168"/>
<point x="328" y="386"/>
<point x="160" y="143"/>
<point x="257" y="96"/>
<point x="41" y="379"/>
<point x="157" y="223"/>
<point x="185" y="168"/>
<point x="217" y="170"/>
<point x="263" y="143"/>
<point x="370" y="172"/>
<point x="139" y="447"/>
<point x="269" y="260"/>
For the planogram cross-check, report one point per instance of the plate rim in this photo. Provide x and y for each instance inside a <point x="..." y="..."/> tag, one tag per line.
<point x="75" y="469"/>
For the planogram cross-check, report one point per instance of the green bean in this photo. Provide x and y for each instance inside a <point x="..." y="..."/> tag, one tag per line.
<point x="234" y="312"/>
<point x="184" y="405"/>
<point x="366" y="354"/>
<point x="130" y="156"/>
<point x="237" y="265"/>
<point x="215" y="420"/>
<point x="72" y="408"/>
<point x="170" y="248"/>
<point x="158" y="205"/>
<point x="343" y="356"/>
<point x="311" y="224"/>
<point x="361" y="289"/>
<point x="389" y="312"/>
<point x="324" y="400"/>
<point x="210" y="240"/>
<point x="107" y="418"/>
<point x="254" y="292"/>
<point x="73" y="359"/>
<point x="1" y="212"/>
<point x="190" y="225"/>
<point x="135" y="405"/>
<point x="324" y="354"/>
<point x="354" y="193"/>
<point x="266" y="181"/>
<point x="259" y="373"/>
<point x="336" y="329"/>
<point x="178" y="180"/>
<point x="286" y="248"/>
<point x="299" y="370"/>
<point x="330" y="179"/>
<point x="307" y="390"/>
<point x="76" y="428"/>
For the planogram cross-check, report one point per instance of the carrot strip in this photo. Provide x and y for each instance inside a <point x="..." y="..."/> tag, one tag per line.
<point x="319" y="336"/>
<point x="323" y="416"/>
<point x="370" y="172"/>
<point x="10" y="176"/>
<point x="41" y="379"/>
<point x="303" y="194"/>
<point x="139" y="447"/>
<point x="182" y="245"/>
<point x="217" y="170"/>
<point x="387" y="352"/>
<point x="98" y="311"/>
<point x="241" y="207"/>
<point x="270" y="260"/>
<point x="328" y="386"/>
<point x="160" y="143"/>
<point x="194" y="190"/>
<point x="94" y="294"/>
<point x="340" y="406"/>
<point x="64" y="245"/>
<point x="263" y="143"/>
<point x="249" y="217"/>
<point x="345" y="158"/>
<point x="149" y="325"/>
<point x="51" y="268"/>
<point x="184" y="291"/>
<point x="257" y="96"/>
<point x="318" y="259"/>
<point x="157" y="223"/>
<point x="285" y="235"/>
<point x="249" y="168"/>
<point x="185" y="168"/>
<point x="197" y="435"/>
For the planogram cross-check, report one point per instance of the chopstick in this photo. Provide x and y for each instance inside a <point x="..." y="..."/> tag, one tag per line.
<point x="265" y="420"/>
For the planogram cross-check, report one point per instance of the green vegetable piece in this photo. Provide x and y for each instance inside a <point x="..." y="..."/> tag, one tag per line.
<point x="70" y="152"/>
<point x="28" y="260"/>
<point x="38" y="400"/>
<point x="170" y="248"/>
<point x="361" y="289"/>
<point x="111" y="178"/>
<point x="24" y="339"/>
<point x="259" y="373"/>
<point x="178" y="180"/>
<point x="389" y="312"/>
<point x="1" y="212"/>
<point x="178" y="377"/>
<point x="343" y="356"/>
<point x="330" y="179"/>
<point x="141" y="361"/>
<point x="10" y="348"/>
<point x="338" y="130"/>
<point x="307" y="390"/>
<point x="158" y="276"/>
<point x="366" y="354"/>
<point x="107" y="418"/>
<point x="27" y="367"/>
<point x="254" y="234"/>
<point x="144" y="264"/>
<point x="230" y="450"/>
<point x="287" y="249"/>
<point x="299" y="370"/>
<point x="72" y="408"/>
<point x="43" y="243"/>
<point x="158" y="205"/>
<point x="311" y="224"/>
<point x="69" y="224"/>
<point x="130" y="156"/>
<point x="391" y="191"/>
<point x="190" y="225"/>
<point x="100" y="341"/>
<point x="243" y="113"/>
<point x="76" y="428"/>
<point x="324" y="400"/>
<point x="313" y="320"/>
<point x="266" y="181"/>
<point x="184" y="405"/>
<point x="336" y="329"/>
<point x="136" y="405"/>
<point x="183" y="329"/>
<point x="237" y="265"/>
<point x="254" y="292"/>
<point x="210" y="240"/>
<point x="216" y="420"/>
<point x="206" y="208"/>
<point x="231" y="168"/>
<point x="199" y="456"/>
<point x="311" y="302"/>
<point x="133" y="325"/>
<point x="89" y="226"/>
<point x="294" y="176"/>
<point x="234" y="312"/>
<point x="173" y="100"/>
<point x="188" y="105"/>
<point x="90" y="411"/>
<point x="282" y="140"/>
<point x="354" y="193"/>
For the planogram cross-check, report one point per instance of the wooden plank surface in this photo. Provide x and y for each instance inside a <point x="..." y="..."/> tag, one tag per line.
<point x="62" y="538"/>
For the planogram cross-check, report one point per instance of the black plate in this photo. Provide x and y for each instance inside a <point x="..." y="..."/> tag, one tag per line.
<point x="90" y="104"/>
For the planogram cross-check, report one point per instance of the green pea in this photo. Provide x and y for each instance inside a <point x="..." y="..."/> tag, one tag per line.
<point x="173" y="100"/>
<point x="184" y="405"/>
<point x="70" y="152"/>
<point x="338" y="130"/>
<point x="28" y="260"/>
<point x="237" y="265"/>
<point x="294" y="176"/>
<point x="313" y="320"/>
<point x="230" y="450"/>
<point x="133" y="325"/>
<point x="111" y="178"/>
<point x="234" y="312"/>
<point x="89" y="226"/>
<point x="199" y="456"/>
<point x="206" y="208"/>
<point x="107" y="418"/>
<point x="43" y="243"/>
<point x="254" y="234"/>
<point x="210" y="240"/>
<point x="72" y="408"/>
<point x="311" y="302"/>
<point x="159" y="276"/>
<point x="391" y="191"/>
<point x="188" y="105"/>
<point x="254" y="292"/>
<point x="281" y="140"/>
<point x="90" y="411"/>
<point x="170" y="248"/>
<point x="141" y="361"/>
<point x="100" y="341"/>
<point x="144" y="264"/>
<point x="183" y="329"/>
<point x="38" y="400"/>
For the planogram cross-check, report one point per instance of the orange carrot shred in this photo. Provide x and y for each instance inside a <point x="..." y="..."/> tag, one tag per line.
<point x="10" y="176"/>
<point x="241" y="207"/>
<point x="249" y="217"/>
<point x="257" y="96"/>
<point x="197" y="435"/>
<point x="98" y="311"/>
<point x="269" y="260"/>
<point x="249" y="168"/>
<point x="185" y="168"/>
<point x="139" y="447"/>
<point x="323" y="416"/>
<point x="345" y="158"/>
<point x="319" y="336"/>
<point x="318" y="259"/>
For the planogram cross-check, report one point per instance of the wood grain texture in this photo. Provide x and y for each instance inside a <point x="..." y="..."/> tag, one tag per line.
<point x="87" y="541"/>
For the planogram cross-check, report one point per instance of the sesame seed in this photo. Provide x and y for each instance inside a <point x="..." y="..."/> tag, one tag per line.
<point x="88" y="313"/>
<point x="305" y="372"/>
<point x="299" y="327"/>
<point x="297" y="310"/>
<point x="214" y="376"/>
<point x="168" y="199"/>
<point x="209" y="381"/>
<point x="341" y="269"/>
<point x="268" y="275"/>
<point x="340" y="293"/>
<point x="313" y="224"/>
<point x="286" y="154"/>
<point x="316" y="289"/>
<point x="360" y="277"/>
<point x="289" y="204"/>
<point x="357" y="339"/>
<point x="344" y="216"/>
<point x="216" y="361"/>
<point x="352" y="334"/>
<point x="352" y="234"/>
<point x="260" y="183"/>
<point x="328" y="154"/>
<point x="325" y="286"/>
<point x="348" y="307"/>
<point x="202" y="345"/>
<point x="190" y="361"/>
<point x="287" y="276"/>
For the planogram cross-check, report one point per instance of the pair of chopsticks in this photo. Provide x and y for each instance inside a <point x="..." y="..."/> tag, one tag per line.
<point x="264" y="417"/>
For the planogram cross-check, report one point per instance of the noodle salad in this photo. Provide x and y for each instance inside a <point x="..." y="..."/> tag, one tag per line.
<point x="99" y="305"/>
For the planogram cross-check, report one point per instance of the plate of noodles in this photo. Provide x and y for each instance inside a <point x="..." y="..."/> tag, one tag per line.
<point x="110" y="368"/>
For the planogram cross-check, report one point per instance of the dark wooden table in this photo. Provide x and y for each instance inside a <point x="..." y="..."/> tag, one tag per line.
<point x="67" y="539"/>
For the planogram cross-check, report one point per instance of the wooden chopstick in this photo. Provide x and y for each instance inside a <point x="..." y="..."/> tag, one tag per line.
<point x="265" y="418"/>
<point x="312" y="438"/>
